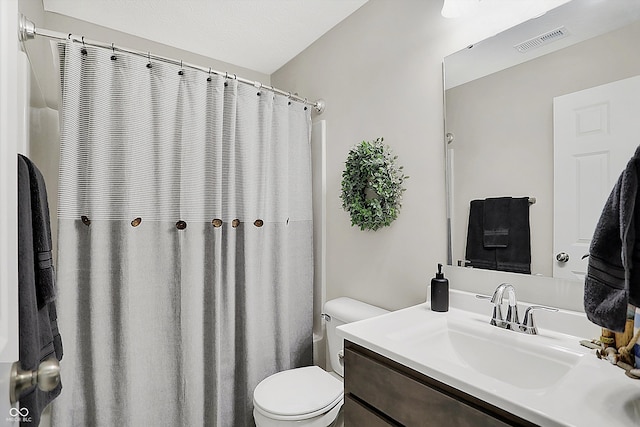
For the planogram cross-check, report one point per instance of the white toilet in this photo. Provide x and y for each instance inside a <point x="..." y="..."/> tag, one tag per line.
<point x="311" y="396"/>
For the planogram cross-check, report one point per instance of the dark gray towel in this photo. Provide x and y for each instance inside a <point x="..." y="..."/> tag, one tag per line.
<point x="38" y="331"/>
<point x="495" y="223"/>
<point x="476" y="253"/>
<point x="613" y="274"/>
<point x="45" y="276"/>
<point x="516" y="257"/>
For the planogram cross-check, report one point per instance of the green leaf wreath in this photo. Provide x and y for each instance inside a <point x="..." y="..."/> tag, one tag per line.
<point x="372" y="185"/>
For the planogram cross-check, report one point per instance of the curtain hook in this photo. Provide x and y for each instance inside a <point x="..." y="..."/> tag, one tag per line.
<point x="209" y="78"/>
<point x="113" y="49"/>
<point x="235" y="77"/>
<point x="113" y="52"/>
<point x="226" y="75"/>
<point x="149" y="59"/>
<point x="82" y="40"/>
<point x="69" y="36"/>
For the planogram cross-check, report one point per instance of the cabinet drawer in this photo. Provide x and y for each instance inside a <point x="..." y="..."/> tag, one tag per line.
<point x="411" y="398"/>
<point x="356" y="414"/>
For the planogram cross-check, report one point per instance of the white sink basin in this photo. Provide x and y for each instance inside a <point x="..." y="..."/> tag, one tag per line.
<point x="524" y="361"/>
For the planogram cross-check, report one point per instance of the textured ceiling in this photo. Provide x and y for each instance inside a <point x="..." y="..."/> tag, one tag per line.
<point x="261" y="35"/>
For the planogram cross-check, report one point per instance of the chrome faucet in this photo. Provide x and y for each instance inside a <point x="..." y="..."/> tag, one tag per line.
<point x="512" y="321"/>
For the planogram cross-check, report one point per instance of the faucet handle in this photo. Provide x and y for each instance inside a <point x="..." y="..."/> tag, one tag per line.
<point x="496" y="317"/>
<point x="529" y="326"/>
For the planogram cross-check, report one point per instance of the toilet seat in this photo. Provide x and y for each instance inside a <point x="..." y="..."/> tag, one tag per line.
<point x="298" y="394"/>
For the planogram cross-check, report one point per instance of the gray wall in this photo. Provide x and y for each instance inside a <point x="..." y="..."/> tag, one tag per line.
<point x="503" y="127"/>
<point x="380" y="72"/>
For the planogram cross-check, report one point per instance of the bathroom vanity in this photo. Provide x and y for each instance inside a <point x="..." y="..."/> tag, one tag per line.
<point x="418" y="367"/>
<point x="382" y="392"/>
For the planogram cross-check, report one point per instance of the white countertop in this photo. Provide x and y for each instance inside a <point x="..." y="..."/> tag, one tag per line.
<point x="586" y="392"/>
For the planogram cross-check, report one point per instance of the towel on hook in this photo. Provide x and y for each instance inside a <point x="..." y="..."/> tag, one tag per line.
<point x="37" y="324"/>
<point x="613" y="273"/>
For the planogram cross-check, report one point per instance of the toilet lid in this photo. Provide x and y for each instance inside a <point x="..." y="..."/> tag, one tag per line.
<point x="296" y="392"/>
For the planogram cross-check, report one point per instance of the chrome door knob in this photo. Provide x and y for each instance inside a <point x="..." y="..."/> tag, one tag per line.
<point x="562" y="257"/>
<point x="47" y="377"/>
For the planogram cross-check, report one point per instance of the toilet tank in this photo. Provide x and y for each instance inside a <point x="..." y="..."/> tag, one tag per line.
<point x="338" y="312"/>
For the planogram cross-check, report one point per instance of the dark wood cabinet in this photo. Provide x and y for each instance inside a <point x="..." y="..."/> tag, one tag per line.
<point x="382" y="392"/>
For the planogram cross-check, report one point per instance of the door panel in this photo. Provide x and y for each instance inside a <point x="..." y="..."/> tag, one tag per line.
<point x="595" y="135"/>
<point x="8" y="203"/>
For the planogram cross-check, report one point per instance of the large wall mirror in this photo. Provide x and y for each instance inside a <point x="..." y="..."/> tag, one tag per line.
<point x="500" y="125"/>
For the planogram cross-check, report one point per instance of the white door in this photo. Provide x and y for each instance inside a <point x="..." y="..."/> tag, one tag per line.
<point x="595" y="134"/>
<point x="8" y="203"/>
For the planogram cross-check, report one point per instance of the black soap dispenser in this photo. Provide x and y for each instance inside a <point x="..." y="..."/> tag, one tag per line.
<point x="439" y="291"/>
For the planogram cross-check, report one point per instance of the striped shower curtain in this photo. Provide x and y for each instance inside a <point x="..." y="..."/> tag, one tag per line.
<point x="185" y="242"/>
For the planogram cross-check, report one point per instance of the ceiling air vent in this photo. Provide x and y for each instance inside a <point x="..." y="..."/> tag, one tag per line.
<point x="542" y="39"/>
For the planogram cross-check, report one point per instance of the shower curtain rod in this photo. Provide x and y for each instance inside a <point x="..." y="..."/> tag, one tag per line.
<point x="29" y="31"/>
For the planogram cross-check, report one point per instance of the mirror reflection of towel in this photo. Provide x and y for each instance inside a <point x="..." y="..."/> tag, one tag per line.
<point x="507" y="245"/>
<point x="495" y="222"/>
